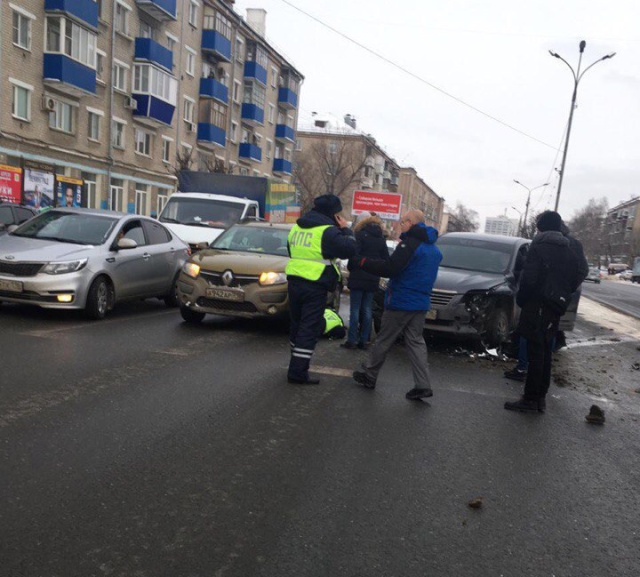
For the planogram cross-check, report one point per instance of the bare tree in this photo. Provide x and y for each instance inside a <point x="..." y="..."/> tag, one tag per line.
<point x="463" y="219"/>
<point x="587" y="225"/>
<point x="328" y="166"/>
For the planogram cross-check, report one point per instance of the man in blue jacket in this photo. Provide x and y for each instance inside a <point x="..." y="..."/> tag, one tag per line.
<point x="412" y="270"/>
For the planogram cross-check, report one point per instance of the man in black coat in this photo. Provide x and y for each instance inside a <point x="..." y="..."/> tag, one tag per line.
<point x="551" y="274"/>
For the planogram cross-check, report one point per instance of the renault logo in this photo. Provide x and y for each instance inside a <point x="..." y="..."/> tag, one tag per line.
<point x="227" y="277"/>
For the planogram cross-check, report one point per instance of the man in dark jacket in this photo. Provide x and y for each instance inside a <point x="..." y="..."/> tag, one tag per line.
<point x="363" y="285"/>
<point x="412" y="270"/>
<point x="551" y="274"/>
<point x="316" y="240"/>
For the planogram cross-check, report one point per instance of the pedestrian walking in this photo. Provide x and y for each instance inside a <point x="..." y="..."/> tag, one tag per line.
<point x="363" y="285"/>
<point x="315" y="241"/>
<point x="412" y="270"/>
<point x="551" y="274"/>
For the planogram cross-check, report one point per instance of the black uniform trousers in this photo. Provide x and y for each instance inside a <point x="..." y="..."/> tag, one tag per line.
<point x="307" y="301"/>
<point x="539" y="352"/>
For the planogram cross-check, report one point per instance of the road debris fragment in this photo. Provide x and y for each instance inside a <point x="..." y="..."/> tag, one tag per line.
<point x="595" y="416"/>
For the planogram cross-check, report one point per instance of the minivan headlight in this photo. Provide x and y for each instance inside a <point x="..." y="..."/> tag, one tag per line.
<point x="271" y="278"/>
<point x="64" y="267"/>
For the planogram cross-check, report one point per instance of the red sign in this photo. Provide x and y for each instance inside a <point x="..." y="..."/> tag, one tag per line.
<point x="10" y="183"/>
<point x="384" y="204"/>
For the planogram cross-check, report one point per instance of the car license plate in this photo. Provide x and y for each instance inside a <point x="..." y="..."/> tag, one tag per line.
<point x="432" y="315"/>
<point x="225" y="294"/>
<point x="11" y="286"/>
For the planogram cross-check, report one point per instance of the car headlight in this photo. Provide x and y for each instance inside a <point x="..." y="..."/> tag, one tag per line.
<point x="191" y="269"/>
<point x="271" y="278"/>
<point x="64" y="267"/>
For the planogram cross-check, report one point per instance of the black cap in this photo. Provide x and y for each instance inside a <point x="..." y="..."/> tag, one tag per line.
<point x="549" y="220"/>
<point x="328" y="204"/>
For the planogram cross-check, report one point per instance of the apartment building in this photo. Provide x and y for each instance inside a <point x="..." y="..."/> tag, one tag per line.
<point x="113" y="96"/>
<point x="621" y="232"/>
<point x="324" y="140"/>
<point x="502" y="225"/>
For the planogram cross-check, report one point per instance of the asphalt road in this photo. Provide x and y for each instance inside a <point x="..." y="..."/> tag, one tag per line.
<point x="621" y="295"/>
<point x="141" y="446"/>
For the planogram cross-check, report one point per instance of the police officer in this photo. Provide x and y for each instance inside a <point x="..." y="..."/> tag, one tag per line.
<point x="316" y="240"/>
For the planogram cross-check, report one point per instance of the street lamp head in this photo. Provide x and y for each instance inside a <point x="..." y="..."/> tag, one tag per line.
<point x="516" y="181"/>
<point x="609" y="56"/>
<point x="554" y="54"/>
<point x="582" y="46"/>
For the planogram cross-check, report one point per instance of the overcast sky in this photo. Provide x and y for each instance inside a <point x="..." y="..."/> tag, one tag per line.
<point x="493" y="56"/>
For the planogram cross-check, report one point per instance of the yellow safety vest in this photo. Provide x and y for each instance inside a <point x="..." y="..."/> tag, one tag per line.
<point x="305" y="246"/>
<point x="332" y="320"/>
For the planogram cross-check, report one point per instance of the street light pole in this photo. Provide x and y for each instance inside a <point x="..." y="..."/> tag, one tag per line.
<point x="519" y="221"/>
<point x="526" y="209"/>
<point x="577" y="76"/>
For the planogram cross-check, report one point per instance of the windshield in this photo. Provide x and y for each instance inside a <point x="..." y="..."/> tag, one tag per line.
<point x="201" y="212"/>
<point x="74" y="227"/>
<point x="475" y="254"/>
<point x="253" y="239"/>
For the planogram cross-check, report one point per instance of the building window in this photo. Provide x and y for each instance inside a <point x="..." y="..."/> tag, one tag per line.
<point x="61" y="117"/>
<point x="143" y="142"/>
<point x="21" y="106"/>
<point x="22" y="29"/>
<point x="162" y="200"/>
<point x="214" y="113"/>
<point x="100" y="56"/>
<point x="274" y="77"/>
<point x="119" y="76"/>
<point x="189" y="106"/>
<point x="254" y="94"/>
<point x="166" y="150"/>
<point x="91" y="189"/>
<point x="142" y="199"/>
<point x="117" y="133"/>
<point x="223" y="26"/>
<point x="239" y="49"/>
<point x="237" y="87"/>
<point x="245" y="135"/>
<point x="258" y="54"/>
<point x="193" y="13"/>
<point x="64" y="36"/>
<point x="121" y="22"/>
<point x="191" y="61"/>
<point x="272" y="113"/>
<point x="171" y="42"/>
<point x="233" y="134"/>
<point x="148" y="79"/>
<point x="268" y="149"/>
<point x="116" y="194"/>
<point x="147" y="31"/>
<point x="94" y="126"/>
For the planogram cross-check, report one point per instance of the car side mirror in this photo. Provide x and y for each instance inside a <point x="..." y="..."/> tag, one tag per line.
<point x="126" y="243"/>
<point x="3" y="227"/>
<point x="202" y="245"/>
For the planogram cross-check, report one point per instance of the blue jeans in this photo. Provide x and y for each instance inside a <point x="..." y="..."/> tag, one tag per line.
<point x="360" y="316"/>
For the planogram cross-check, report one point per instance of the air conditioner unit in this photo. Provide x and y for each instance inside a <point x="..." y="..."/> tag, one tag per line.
<point x="48" y="103"/>
<point x="191" y="127"/>
<point x="130" y="103"/>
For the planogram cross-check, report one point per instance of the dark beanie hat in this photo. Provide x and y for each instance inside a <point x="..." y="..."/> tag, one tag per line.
<point x="328" y="204"/>
<point x="549" y="220"/>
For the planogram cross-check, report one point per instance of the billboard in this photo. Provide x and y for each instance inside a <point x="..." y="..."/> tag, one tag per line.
<point x="10" y="184"/>
<point x="385" y="204"/>
<point x="39" y="185"/>
<point x="281" y="203"/>
<point x="69" y="191"/>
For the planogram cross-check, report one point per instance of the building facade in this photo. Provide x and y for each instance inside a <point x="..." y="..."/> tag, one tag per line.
<point x="117" y="95"/>
<point x="501" y="225"/>
<point x="322" y="138"/>
<point x="622" y="232"/>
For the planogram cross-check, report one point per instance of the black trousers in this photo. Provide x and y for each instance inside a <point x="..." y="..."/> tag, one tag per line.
<point x="307" y="301"/>
<point x="539" y="352"/>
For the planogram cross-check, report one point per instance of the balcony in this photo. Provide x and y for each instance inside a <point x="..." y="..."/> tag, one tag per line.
<point x="211" y="134"/>
<point x="255" y="71"/>
<point x="68" y="75"/>
<point x="281" y="166"/>
<point x="287" y="98"/>
<point x="252" y="114"/>
<point x="211" y="88"/>
<point x="216" y="44"/>
<point x="284" y="132"/>
<point x="162" y="10"/>
<point x="82" y="10"/>
<point x="250" y="152"/>
<point x="150" y="51"/>
<point x="154" y="109"/>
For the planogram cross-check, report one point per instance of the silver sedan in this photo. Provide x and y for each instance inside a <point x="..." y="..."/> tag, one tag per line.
<point x="86" y="259"/>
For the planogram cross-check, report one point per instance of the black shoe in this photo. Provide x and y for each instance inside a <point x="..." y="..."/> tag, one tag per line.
<point x="348" y="345"/>
<point x="523" y="405"/>
<point x="363" y="346"/>
<point x="294" y="381"/>
<point x="416" y="394"/>
<point x="361" y="378"/>
<point x="516" y="374"/>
